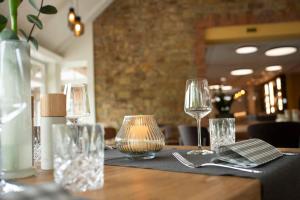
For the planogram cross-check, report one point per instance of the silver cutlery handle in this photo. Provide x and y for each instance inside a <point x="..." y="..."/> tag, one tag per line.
<point x="231" y="167"/>
<point x="109" y="147"/>
<point x="290" y="154"/>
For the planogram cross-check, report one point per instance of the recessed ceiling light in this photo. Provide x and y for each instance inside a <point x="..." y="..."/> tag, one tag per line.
<point x="246" y="50"/>
<point x="273" y="68"/>
<point x="223" y="79"/>
<point x="281" y="51"/>
<point x="241" y="72"/>
<point x="214" y="87"/>
<point x="222" y="87"/>
<point x="226" y="87"/>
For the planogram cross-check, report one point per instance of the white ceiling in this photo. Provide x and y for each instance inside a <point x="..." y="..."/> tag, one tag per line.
<point x="221" y="59"/>
<point x="56" y="35"/>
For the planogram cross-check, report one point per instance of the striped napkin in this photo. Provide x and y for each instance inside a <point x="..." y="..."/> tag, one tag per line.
<point x="248" y="153"/>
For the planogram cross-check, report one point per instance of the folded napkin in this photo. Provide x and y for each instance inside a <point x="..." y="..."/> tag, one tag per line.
<point x="46" y="191"/>
<point x="248" y="153"/>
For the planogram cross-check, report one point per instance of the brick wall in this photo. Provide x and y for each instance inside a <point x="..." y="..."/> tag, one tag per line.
<point x="146" y="49"/>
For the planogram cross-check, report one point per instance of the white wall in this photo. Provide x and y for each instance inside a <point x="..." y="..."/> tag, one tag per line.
<point x="50" y="63"/>
<point x="81" y="51"/>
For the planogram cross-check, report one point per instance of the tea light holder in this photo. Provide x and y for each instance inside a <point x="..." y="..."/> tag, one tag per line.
<point x="140" y="137"/>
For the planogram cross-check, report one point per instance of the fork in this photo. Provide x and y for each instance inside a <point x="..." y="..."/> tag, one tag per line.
<point x="109" y="147"/>
<point x="187" y="163"/>
<point x="290" y="154"/>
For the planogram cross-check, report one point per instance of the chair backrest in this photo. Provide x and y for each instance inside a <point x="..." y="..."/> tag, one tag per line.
<point x="171" y="134"/>
<point x="279" y="134"/>
<point x="189" y="135"/>
<point x="110" y="133"/>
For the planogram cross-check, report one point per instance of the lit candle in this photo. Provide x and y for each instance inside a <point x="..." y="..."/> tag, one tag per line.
<point x="137" y="135"/>
<point x="140" y="135"/>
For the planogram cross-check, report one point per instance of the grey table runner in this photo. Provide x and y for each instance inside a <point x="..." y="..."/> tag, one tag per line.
<point x="280" y="178"/>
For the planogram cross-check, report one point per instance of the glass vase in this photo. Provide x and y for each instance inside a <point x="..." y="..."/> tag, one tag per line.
<point x="140" y="137"/>
<point x="16" y="134"/>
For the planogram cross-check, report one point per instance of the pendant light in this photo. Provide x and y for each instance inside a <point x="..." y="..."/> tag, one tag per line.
<point x="74" y="21"/>
<point x="71" y="18"/>
<point x="78" y="27"/>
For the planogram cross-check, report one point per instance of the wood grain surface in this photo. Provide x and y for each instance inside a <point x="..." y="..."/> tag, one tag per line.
<point x="143" y="184"/>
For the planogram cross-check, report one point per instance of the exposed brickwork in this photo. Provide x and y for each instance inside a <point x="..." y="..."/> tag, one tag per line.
<point x="146" y="49"/>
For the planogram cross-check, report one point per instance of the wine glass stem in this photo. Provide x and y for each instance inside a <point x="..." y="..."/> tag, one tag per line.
<point x="199" y="132"/>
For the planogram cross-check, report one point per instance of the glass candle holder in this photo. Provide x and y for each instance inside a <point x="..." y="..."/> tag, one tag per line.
<point x="140" y="137"/>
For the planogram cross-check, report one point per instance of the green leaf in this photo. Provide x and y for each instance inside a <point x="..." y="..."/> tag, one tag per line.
<point x="35" y="20"/>
<point x="34" y="42"/>
<point x="33" y="4"/>
<point x="3" y="22"/>
<point x="8" y="34"/>
<point x="3" y="19"/>
<point x="2" y="26"/>
<point x="23" y="33"/>
<point x="48" y="9"/>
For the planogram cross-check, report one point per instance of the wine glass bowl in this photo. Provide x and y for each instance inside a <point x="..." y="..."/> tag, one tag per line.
<point x="77" y="101"/>
<point x="197" y="104"/>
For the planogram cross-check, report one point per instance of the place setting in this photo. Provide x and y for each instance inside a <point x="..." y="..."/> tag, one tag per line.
<point x="140" y="144"/>
<point x="140" y="138"/>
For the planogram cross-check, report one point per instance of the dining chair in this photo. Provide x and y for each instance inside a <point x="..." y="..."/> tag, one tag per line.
<point x="279" y="134"/>
<point x="171" y="134"/>
<point x="110" y="133"/>
<point x="188" y="135"/>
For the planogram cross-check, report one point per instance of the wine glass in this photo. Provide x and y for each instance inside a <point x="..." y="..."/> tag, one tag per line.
<point x="197" y="104"/>
<point x="12" y="103"/>
<point x="77" y="101"/>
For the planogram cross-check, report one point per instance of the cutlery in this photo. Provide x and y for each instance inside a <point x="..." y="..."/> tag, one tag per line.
<point x="110" y="147"/>
<point x="290" y="154"/>
<point x="187" y="163"/>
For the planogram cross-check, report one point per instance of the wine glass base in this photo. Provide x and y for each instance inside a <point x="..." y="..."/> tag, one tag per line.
<point x="200" y="152"/>
<point x="142" y="156"/>
<point x="8" y="187"/>
<point x="21" y="173"/>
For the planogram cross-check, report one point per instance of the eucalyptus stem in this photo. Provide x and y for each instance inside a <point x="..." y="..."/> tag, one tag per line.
<point x="31" y="31"/>
<point x="13" y="10"/>
<point x="14" y="24"/>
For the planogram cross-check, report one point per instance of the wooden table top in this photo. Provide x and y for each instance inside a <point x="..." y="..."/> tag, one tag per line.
<point x="137" y="184"/>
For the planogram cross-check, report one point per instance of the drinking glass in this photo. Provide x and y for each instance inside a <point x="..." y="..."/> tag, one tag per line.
<point x="78" y="156"/>
<point x="12" y="103"/>
<point x="222" y="132"/>
<point x="77" y="101"/>
<point x="197" y="104"/>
